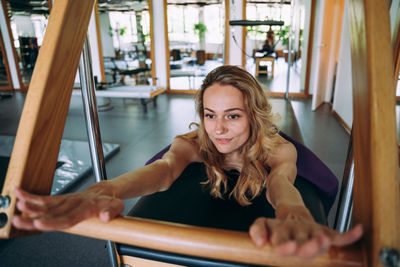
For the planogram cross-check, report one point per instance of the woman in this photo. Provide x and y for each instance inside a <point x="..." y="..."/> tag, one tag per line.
<point x="236" y="131"/>
<point x="269" y="45"/>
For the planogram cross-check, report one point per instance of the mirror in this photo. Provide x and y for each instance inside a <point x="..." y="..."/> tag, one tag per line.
<point x="267" y="46"/>
<point x="126" y="42"/>
<point x="28" y="22"/>
<point x="196" y="33"/>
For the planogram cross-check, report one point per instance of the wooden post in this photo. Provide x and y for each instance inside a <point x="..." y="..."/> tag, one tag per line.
<point x="227" y="32"/>
<point x="376" y="191"/>
<point x="166" y="38"/>
<point x="244" y="33"/>
<point x="38" y="139"/>
<point x="99" y="43"/>
<point x="204" y="242"/>
<point x="152" y="52"/>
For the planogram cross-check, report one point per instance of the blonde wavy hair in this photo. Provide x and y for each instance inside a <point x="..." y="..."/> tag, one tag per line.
<point x="256" y="150"/>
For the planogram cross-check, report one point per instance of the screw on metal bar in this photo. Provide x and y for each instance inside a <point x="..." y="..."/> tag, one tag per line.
<point x="4" y="202"/>
<point x="390" y="257"/>
<point x="3" y="219"/>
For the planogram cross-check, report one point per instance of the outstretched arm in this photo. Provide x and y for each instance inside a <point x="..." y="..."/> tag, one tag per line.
<point x="294" y="230"/>
<point x="104" y="199"/>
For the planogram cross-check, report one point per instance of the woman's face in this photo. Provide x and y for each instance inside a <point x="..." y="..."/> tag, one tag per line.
<point x="225" y="119"/>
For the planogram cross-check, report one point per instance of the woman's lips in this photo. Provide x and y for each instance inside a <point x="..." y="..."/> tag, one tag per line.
<point x="223" y="141"/>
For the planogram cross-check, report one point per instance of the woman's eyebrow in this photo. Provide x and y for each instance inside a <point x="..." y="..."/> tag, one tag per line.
<point x="233" y="109"/>
<point x="226" y="110"/>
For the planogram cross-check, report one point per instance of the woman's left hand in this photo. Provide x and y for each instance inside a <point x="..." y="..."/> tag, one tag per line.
<point x="295" y="233"/>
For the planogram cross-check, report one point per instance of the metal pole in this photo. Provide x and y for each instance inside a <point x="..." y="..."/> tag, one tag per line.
<point x="345" y="204"/>
<point x="91" y="115"/>
<point x="93" y="127"/>
<point x="289" y="52"/>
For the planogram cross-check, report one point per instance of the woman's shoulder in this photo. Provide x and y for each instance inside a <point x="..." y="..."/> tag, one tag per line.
<point x="187" y="146"/>
<point x="282" y="151"/>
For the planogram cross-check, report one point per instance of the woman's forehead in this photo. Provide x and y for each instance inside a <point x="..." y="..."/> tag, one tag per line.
<point x="223" y="97"/>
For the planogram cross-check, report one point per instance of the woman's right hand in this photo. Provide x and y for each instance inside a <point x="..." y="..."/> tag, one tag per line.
<point x="50" y="213"/>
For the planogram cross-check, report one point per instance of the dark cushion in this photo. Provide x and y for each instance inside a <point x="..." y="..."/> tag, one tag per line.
<point x="187" y="201"/>
<point x="309" y="166"/>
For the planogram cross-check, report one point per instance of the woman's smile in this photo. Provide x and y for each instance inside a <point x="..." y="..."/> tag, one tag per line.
<point x="223" y="141"/>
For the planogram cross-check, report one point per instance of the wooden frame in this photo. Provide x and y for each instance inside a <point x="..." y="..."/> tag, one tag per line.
<point x="244" y="33"/>
<point x="99" y="44"/>
<point x="310" y="48"/>
<point x="204" y="242"/>
<point x="227" y="31"/>
<point x="167" y="53"/>
<point x="396" y="57"/>
<point x="21" y="84"/>
<point x="152" y="54"/>
<point x="376" y="194"/>
<point x="396" y="51"/>
<point x="377" y="188"/>
<point x="3" y="51"/>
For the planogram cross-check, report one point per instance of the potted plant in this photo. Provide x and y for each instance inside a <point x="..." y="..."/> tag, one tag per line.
<point x="283" y="35"/>
<point x="201" y="29"/>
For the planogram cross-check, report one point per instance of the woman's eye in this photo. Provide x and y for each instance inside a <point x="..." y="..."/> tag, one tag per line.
<point x="210" y="116"/>
<point x="233" y="116"/>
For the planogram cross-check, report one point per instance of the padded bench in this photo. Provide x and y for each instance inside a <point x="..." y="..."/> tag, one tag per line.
<point x="146" y="93"/>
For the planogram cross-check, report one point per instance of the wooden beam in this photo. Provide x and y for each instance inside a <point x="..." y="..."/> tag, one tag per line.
<point x="244" y="33"/>
<point x="167" y="52"/>
<point x="376" y="192"/>
<point x="396" y="56"/>
<point x="310" y="47"/>
<point x="38" y="139"/>
<point x="99" y="43"/>
<point x="6" y="66"/>
<point x="205" y="242"/>
<point x="227" y="32"/>
<point x="16" y="60"/>
<point x="152" y="54"/>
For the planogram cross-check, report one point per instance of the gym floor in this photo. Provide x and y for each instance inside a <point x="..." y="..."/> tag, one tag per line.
<point x="140" y="136"/>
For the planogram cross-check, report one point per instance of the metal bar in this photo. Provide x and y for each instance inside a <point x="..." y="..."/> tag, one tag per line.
<point x="289" y="52"/>
<point x="345" y="204"/>
<point x="93" y="127"/>
<point x="91" y="115"/>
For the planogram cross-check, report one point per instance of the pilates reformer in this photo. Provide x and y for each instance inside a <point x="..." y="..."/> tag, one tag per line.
<point x="188" y="203"/>
<point x="145" y="93"/>
<point x="375" y="155"/>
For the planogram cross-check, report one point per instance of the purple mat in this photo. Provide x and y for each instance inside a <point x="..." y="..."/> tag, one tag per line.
<point x="309" y="166"/>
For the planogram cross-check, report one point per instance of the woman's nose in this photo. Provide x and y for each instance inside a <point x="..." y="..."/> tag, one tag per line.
<point x="220" y="127"/>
